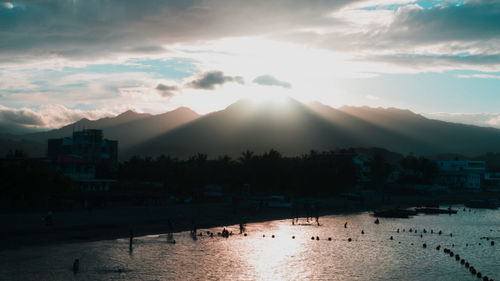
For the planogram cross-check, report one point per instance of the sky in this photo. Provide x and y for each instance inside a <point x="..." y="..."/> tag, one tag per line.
<point x="64" y="60"/>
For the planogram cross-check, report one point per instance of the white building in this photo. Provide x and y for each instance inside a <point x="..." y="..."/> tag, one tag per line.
<point x="461" y="173"/>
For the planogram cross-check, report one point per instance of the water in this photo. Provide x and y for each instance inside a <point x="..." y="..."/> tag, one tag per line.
<point x="372" y="256"/>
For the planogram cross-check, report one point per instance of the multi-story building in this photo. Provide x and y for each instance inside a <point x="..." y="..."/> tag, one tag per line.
<point x="466" y="174"/>
<point x="81" y="156"/>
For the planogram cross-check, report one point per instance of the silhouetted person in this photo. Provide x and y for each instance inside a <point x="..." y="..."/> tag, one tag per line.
<point x="195" y="229"/>
<point x="131" y="239"/>
<point x="316" y="212"/>
<point x="76" y="265"/>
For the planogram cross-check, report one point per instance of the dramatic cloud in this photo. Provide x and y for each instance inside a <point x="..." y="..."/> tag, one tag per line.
<point x="208" y="80"/>
<point x="268" y="80"/>
<point x="22" y="117"/>
<point x="166" y="90"/>
<point x="48" y="117"/>
<point x="94" y="29"/>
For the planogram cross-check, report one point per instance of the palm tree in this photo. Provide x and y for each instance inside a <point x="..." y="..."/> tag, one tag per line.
<point x="246" y="157"/>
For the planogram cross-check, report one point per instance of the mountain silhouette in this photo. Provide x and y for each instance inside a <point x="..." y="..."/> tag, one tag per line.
<point x="294" y="128"/>
<point x="129" y="128"/>
<point x="289" y="126"/>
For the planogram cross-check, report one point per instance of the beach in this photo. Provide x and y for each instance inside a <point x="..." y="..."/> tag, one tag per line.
<point x="28" y="229"/>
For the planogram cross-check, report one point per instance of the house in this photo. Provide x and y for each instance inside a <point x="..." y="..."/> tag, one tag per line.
<point x="461" y="174"/>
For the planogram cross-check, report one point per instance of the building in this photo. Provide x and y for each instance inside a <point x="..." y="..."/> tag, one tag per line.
<point x="87" y="144"/>
<point x="491" y="181"/>
<point x="85" y="158"/>
<point x="461" y="174"/>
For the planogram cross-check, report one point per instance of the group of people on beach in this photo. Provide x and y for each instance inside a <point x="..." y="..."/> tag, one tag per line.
<point x="311" y="211"/>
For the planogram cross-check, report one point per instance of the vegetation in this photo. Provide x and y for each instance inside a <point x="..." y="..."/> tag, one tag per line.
<point x="326" y="172"/>
<point x="29" y="184"/>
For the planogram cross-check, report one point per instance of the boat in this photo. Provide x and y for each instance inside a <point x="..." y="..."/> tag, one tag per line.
<point x="482" y="204"/>
<point x="435" y="211"/>
<point x="395" y="213"/>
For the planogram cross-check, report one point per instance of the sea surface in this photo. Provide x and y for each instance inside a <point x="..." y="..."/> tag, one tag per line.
<point x="259" y="256"/>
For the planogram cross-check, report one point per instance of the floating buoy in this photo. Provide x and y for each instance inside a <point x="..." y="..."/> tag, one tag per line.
<point x="349" y="240"/>
<point x="293" y="237"/>
<point x="329" y="238"/>
<point x="272" y="236"/>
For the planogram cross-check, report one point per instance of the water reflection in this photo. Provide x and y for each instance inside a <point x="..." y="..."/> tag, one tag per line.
<point x="370" y="256"/>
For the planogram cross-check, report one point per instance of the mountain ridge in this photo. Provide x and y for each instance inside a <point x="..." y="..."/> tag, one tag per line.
<point x="288" y="126"/>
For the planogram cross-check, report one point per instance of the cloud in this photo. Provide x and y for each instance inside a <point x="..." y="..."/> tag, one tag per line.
<point x="480" y="62"/>
<point x="208" y="80"/>
<point x="8" y="5"/>
<point x="268" y="80"/>
<point x="48" y="117"/>
<point x="57" y="115"/>
<point x="372" y="97"/>
<point x="21" y="117"/>
<point x="99" y="28"/>
<point x="479" y="76"/>
<point x="483" y="119"/>
<point x="166" y="90"/>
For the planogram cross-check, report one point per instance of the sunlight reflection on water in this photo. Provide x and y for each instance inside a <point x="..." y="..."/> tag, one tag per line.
<point x="370" y="256"/>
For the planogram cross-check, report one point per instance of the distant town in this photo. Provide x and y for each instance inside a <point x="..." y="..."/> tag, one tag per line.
<point x="83" y="170"/>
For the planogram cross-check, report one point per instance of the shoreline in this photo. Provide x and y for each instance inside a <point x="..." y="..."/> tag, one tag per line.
<point x="27" y="230"/>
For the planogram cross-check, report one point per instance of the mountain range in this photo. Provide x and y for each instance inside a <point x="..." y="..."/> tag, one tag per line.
<point x="288" y="126"/>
